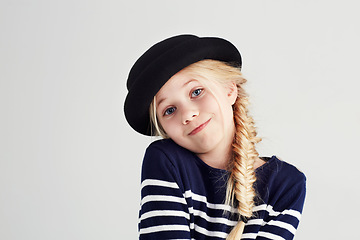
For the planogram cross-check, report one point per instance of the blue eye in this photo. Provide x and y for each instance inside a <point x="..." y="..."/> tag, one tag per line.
<point x="196" y="92"/>
<point x="169" y="111"/>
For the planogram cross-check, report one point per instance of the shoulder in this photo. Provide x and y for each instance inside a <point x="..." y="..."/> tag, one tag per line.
<point x="165" y="159"/>
<point x="158" y="153"/>
<point x="164" y="145"/>
<point x="280" y="171"/>
<point x="279" y="181"/>
<point x="166" y="148"/>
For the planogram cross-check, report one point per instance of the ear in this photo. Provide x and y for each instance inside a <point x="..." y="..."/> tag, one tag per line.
<point x="232" y="92"/>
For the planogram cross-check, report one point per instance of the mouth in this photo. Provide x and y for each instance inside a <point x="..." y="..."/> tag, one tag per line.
<point x="199" y="128"/>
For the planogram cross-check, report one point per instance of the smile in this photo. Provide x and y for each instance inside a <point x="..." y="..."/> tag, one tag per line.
<point x="199" y="128"/>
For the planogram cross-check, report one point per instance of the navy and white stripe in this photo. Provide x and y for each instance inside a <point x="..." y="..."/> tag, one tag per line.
<point x="183" y="198"/>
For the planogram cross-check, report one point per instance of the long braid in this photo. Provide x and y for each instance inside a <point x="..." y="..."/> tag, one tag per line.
<point x="242" y="177"/>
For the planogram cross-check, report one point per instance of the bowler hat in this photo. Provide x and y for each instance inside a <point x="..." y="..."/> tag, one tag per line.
<point x="159" y="63"/>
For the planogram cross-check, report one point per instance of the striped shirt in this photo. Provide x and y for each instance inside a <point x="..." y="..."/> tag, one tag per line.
<point x="183" y="198"/>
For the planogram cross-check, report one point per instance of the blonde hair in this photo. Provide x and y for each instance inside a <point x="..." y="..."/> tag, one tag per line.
<point x="156" y="128"/>
<point x="240" y="192"/>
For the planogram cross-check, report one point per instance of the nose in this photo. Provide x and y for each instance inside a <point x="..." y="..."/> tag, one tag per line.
<point x="188" y="115"/>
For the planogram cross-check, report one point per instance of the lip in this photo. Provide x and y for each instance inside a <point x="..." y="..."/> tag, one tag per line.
<point x="199" y="128"/>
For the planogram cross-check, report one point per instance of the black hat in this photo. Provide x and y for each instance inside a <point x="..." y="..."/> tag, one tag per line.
<point x="163" y="60"/>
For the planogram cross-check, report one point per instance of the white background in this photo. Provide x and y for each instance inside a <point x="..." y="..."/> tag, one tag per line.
<point x="69" y="162"/>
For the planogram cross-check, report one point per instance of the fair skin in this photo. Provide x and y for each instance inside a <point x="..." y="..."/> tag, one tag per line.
<point x="198" y="119"/>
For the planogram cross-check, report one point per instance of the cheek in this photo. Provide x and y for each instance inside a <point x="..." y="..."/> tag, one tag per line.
<point x="220" y="107"/>
<point x="170" y="126"/>
<point x="207" y="103"/>
<point x="211" y="104"/>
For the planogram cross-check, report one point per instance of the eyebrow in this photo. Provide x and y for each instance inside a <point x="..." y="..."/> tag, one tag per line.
<point x="162" y="99"/>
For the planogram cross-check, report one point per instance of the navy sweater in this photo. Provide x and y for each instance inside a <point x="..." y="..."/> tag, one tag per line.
<point x="183" y="198"/>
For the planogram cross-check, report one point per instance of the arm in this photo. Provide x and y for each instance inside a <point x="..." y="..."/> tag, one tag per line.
<point x="164" y="212"/>
<point x="284" y="218"/>
<point x="279" y="217"/>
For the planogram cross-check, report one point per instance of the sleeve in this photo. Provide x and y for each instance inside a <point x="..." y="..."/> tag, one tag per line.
<point x="164" y="213"/>
<point x="283" y="212"/>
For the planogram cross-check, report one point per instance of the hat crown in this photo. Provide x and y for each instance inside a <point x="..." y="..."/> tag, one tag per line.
<point x="154" y="52"/>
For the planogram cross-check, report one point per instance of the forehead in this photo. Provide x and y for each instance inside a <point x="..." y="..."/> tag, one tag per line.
<point x="185" y="80"/>
<point x="179" y="81"/>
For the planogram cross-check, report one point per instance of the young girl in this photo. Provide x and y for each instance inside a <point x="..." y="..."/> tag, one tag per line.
<point x="204" y="179"/>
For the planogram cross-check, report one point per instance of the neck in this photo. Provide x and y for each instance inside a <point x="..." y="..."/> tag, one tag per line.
<point x="220" y="156"/>
<point x="216" y="159"/>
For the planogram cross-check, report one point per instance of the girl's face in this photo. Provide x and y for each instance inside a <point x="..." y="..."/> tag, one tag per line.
<point x="195" y="117"/>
